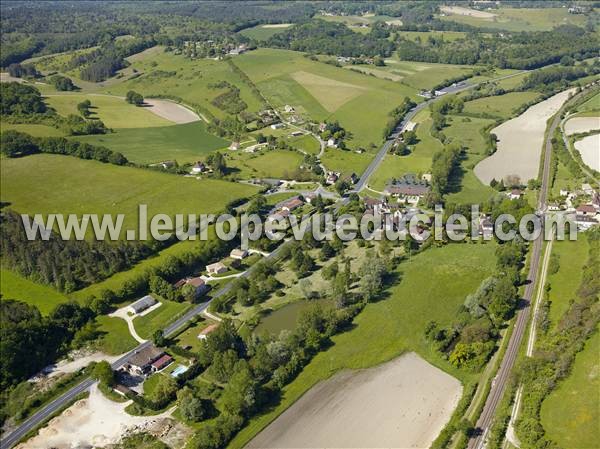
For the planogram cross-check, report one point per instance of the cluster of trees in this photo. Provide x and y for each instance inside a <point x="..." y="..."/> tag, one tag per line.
<point x="397" y="114"/>
<point x="557" y="347"/>
<point x="23" y="71"/>
<point x="20" y="99"/>
<point x="553" y="78"/>
<point x="18" y="144"/>
<point x="132" y="97"/>
<point x="443" y="163"/>
<point x="255" y="288"/>
<point x="525" y="50"/>
<point x="470" y="341"/>
<point x="330" y="38"/>
<point x="62" y="83"/>
<point x="230" y="100"/>
<point x="84" y="108"/>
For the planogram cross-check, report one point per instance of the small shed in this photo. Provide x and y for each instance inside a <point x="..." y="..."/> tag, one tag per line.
<point x="142" y="304"/>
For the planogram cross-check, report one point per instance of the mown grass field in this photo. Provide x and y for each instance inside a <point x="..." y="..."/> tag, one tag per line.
<point x="570" y="414"/>
<point x="268" y="164"/>
<point x="159" y="318"/>
<point x="115" y="338"/>
<point x="346" y="162"/>
<point x="500" y="106"/>
<point x="113" y="111"/>
<point x="62" y="184"/>
<point x="15" y="286"/>
<point x="417" y="161"/>
<point x="33" y="129"/>
<point x="572" y="256"/>
<point x="448" y="36"/>
<point x="184" y="143"/>
<point x="521" y="19"/>
<point x="592" y="105"/>
<point x="264" y="32"/>
<point x="164" y="73"/>
<point x="396" y="322"/>
<point x="361" y="103"/>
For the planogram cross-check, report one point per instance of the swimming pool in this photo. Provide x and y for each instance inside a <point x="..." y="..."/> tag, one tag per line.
<point x="179" y="370"/>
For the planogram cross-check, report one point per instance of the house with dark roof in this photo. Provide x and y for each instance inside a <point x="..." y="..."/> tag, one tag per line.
<point x="140" y="362"/>
<point x="142" y="304"/>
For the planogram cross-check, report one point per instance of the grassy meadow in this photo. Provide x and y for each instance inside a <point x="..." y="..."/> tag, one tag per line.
<point x="266" y="164"/>
<point x="47" y="184"/>
<point x="500" y="106"/>
<point x="33" y="129"/>
<point x="360" y="103"/>
<point x="160" y="317"/>
<point x="15" y="286"/>
<point x="183" y="143"/>
<point x="264" y="32"/>
<point x="115" y="112"/>
<point x="396" y="322"/>
<point x="115" y="337"/>
<point x="570" y="414"/>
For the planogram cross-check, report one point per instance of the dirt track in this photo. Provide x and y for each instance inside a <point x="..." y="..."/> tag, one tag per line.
<point x="403" y="403"/>
<point x="171" y="111"/>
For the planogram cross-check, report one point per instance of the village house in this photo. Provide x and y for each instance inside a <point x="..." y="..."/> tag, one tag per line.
<point x="584" y="222"/>
<point x="234" y="146"/>
<point x="238" y="253"/>
<point x="553" y="206"/>
<point x="586" y="209"/>
<point x="332" y="143"/>
<point x="198" y="167"/>
<point x="515" y="194"/>
<point x="140" y="362"/>
<point x="141" y="304"/>
<point x="310" y="197"/>
<point x="288" y="108"/>
<point x="204" y="333"/>
<point x="277" y="126"/>
<point x="296" y="134"/>
<point x="322" y="127"/>
<point x="486" y="227"/>
<point x="351" y="178"/>
<point x="164" y="164"/>
<point x="162" y="362"/>
<point x="291" y="204"/>
<point x="278" y="216"/>
<point x="216" y="268"/>
<point x="332" y="178"/>
<point x="408" y="189"/>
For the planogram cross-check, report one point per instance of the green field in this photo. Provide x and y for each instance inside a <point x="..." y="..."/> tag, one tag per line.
<point x="62" y="184"/>
<point x="346" y="162"/>
<point x="571" y="413"/>
<point x="523" y="19"/>
<point x="115" y="112"/>
<point x="396" y="323"/>
<point x="183" y="143"/>
<point x="268" y="164"/>
<point x="592" y="105"/>
<point x="422" y="36"/>
<point x="164" y="73"/>
<point x="321" y="91"/>
<point x="500" y="106"/>
<point x="14" y="286"/>
<point x="263" y="32"/>
<point x="116" y="338"/>
<point x="417" y="161"/>
<point x="159" y="318"/>
<point x="572" y="256"/>
<point x="33" y="129"/>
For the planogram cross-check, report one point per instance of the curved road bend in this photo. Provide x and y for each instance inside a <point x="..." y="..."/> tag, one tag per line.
<point x="499" y="386"/>
<point x="46" y="412"/>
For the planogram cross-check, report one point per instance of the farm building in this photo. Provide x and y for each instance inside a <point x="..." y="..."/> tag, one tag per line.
<point x="197" y="282"/>
<point x="291" y="204"/>
<point x="238" y="254"/>
<point x="216" y="268"/>
<point x="515" y="194"/>
<point x="277" y="126"/>
<point x="142" y="304"/>
<point x="199" y="167"/>
<point x="140" y="362"/>
<point x="161" y="362"/>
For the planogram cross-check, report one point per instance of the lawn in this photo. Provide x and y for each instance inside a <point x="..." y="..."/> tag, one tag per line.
<point x="183" y="143"/>
<point x="14" y="286"/>
<point x="159" y="318"/>
<point x="189" y="337"/>
<point x="33" y="129"/>
<point x="279" y="164"/>
<point x="571" y="413"/>
<point x="116" y="338"/>
<point x="431" y="286"/>
<point x="523" y="19"/>
<point x="307" y="143"/>
<point x="500" y="106"/>
<point x="360" y="103"/>
<point x="264" y="32"/>
<point x="592" y="105"/>
<point x="164" y="73"/>
<point x="115" y="112"/>
<point x="572" y="256"/>
<point x="46" y="184"/>
<point x="417" y="161"/>
<point x="345" y="161"/>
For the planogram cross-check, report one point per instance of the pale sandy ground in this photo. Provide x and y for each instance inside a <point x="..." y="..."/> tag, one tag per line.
<point x="520" y="143"/>
<point x="589" y="148"/>
<point x="277" y="25"/>
<point x="171" y="111"/>
<point x="460" y="11"/>
<point x="581" y="125"/>
<point x="403" y="403"/>
<point x="76" y="362"/>
<point x="95" y="421"/>
<point x="6" y="78"/>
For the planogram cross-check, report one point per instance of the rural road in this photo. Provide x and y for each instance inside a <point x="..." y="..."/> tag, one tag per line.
<point x="49" y="409"/>
<point x="497" y="389"/>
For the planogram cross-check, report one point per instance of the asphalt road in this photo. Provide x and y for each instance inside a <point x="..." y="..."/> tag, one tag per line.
<point x="499" y="386"/>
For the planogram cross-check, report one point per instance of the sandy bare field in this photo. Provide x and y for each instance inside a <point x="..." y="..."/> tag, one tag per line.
<point x="277" y="25"/>
<point x="581" y="125"/>
<point x="95" y="421"/>
<point x="6" y="78"/>
<point x="171" y="111"/>
<point x="403" y="403"/>
<point x="589" y="148"/>
<point x="460" y="11"/>
<point x="520" y="143"/>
